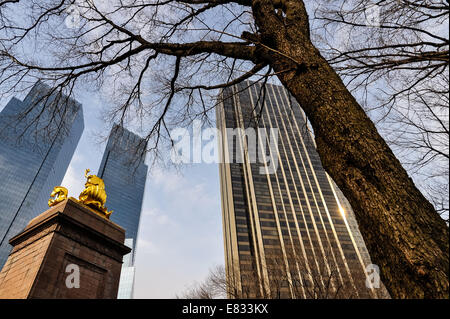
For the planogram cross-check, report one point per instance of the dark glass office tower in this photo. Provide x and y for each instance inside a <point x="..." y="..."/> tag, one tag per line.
<point x="289" y="232"/>
<point x="124" y="172"/>
<point x="34" y="156"/>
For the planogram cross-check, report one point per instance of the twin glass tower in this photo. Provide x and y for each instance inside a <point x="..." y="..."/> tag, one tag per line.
<point x="33" y="156"/>
<point x="124" y="172"/>
<point x="35" y="152"/>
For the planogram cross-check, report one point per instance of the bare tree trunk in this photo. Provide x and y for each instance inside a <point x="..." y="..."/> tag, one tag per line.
<point x="405" y="236"/>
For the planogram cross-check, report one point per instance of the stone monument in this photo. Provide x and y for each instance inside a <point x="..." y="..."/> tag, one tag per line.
<point x="72" y="250"/>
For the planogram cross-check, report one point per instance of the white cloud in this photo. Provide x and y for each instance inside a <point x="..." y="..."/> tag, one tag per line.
<point x="146" y="247"/>
<point x="163" y="220"/>
<point x="168" y="181"/>
<point x="189" y="193"/>
<point x="74" y="181"/>
<point x="156" y="215"/>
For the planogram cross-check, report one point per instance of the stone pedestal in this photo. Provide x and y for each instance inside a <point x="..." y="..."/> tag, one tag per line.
<point x="66" y="243"/>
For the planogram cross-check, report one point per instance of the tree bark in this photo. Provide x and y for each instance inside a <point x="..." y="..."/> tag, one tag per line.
<point x="404" y="234"/>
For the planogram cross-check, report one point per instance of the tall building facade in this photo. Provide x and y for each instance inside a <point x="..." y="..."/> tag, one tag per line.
<point x="124" y="172"/>
<point x="38" y="137"/>
<point x="289" y="232"/>
<point x="126" y="283"/>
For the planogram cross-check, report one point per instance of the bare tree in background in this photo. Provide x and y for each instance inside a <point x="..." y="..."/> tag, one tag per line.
<point x="395" y="56"/>
<point x="160" y="58"/>
<point x="213" y="287"/>
<point x="320" y="280"/>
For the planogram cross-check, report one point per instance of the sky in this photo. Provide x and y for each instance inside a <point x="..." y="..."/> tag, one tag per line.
<point x="180" y="232"/>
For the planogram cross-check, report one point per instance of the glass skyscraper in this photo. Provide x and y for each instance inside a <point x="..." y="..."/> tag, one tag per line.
<point x="124" y="172"/>
<point x="38" y="137"/>
<point x="288" y="233"/>
<point x="126" y="284"/>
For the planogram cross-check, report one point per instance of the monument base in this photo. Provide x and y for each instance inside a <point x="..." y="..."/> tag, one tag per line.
<point x="66" y="252"/>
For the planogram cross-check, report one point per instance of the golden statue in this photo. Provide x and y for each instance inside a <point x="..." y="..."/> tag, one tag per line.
<point x="58" y="195"/>
<point x="94" y="194"/>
